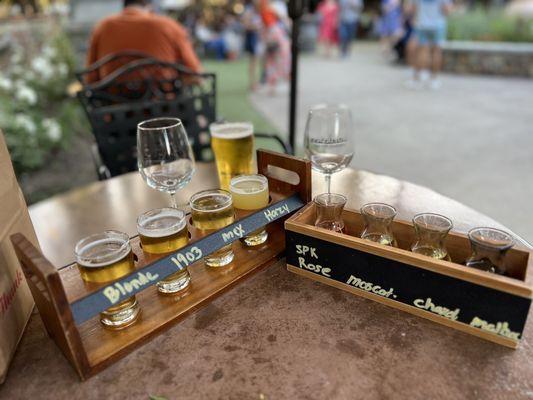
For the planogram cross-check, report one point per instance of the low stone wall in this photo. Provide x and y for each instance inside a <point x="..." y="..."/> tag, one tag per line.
<point x="510" y="59"/>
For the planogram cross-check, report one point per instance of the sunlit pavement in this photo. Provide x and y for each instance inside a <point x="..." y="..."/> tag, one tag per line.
<point x="471" y="140"/>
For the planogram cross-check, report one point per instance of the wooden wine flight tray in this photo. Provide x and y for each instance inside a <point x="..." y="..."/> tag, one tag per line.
<point x="487" y="305"/>
<point x="89" y="346"/>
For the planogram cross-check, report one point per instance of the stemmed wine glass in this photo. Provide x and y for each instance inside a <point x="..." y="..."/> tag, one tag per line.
<point x="164" y="155"/>
<point x="328" y="139"/>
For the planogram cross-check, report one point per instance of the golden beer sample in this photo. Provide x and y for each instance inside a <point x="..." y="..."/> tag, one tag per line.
<point x="163" y="231"/>
<point x="213" y="210"/>
<point x="103" y="258"/>
<point x="250" y="192"/>
<point x="233" y="146"/>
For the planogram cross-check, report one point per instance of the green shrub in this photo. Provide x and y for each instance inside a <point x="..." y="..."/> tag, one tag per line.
<point x="492" y="25"/>
<point x="37" y="115"/>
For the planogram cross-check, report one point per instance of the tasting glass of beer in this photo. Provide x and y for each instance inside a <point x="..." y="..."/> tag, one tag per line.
<point x="233" y="146"/>
<point x="250" y="192"/>
<point x="105" y="257"/>
<point x="163" y="231"/>
<point x="213" y="210"/>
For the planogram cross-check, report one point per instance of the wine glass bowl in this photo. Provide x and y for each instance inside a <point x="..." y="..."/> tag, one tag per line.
<point x="164" y="155"/>
<point x="328" y="139"/>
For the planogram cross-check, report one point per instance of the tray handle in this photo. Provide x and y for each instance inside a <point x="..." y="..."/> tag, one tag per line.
<point x="281" y="171"/>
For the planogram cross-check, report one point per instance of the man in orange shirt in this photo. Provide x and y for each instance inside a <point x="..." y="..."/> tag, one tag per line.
<point x="137" y="28"/>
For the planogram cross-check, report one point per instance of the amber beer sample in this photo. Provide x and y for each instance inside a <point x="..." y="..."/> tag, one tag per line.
<point x="105" y="257"/>
<point x="233" y="145"/>
<point x="163" y="231"/>
<point x="213" y="210"/>
<point x="250" y="192"/>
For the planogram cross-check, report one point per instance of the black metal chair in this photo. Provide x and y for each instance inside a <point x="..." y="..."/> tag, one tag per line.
<point x="142" y="89"/>
<point x="119" y="59"/>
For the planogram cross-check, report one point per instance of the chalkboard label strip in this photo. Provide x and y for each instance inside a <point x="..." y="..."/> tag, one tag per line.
<point x="112" y="294"/>
<point x="476" y="309"/>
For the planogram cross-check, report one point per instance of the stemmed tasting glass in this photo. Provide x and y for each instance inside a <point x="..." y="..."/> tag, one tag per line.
<point x="165" y="157"/>
<point x="328" y="139"/>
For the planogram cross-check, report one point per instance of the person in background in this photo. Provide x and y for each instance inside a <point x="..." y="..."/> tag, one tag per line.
<point x="137" y="28"/>
<point x="390" y="25"/>
<point x="430" y="28"/>
<point x="348" y="16"/>
<point x="211" y="39"/>
<point x="329" y="17"/>
<point x="251" y="21"/>
<point x="277" y="47"/>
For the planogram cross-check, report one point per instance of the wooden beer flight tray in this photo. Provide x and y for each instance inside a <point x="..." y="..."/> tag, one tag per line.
<point x="483" y="304"/>
<point x="89" y="346"/>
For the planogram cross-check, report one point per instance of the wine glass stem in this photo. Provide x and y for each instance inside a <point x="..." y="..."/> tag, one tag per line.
<point x="173" y="202"/>
<point x="328" y="182"/>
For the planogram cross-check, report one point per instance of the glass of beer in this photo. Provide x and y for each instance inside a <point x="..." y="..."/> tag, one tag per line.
<point x="250" y="192"/>
<point x="163" y="231"/>
<point x="105" y="257"/>
<point x="213" y="210"/>
<point x="233" y="146"/>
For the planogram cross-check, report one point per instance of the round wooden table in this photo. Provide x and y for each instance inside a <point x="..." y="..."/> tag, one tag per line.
<point x="276" y="335"/>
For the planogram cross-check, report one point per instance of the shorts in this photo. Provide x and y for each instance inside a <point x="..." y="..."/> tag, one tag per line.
<point x="431" y="36"/>
<point x="251" y="41"/>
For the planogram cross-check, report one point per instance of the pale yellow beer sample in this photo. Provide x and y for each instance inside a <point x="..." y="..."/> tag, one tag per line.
<point x="250" y="192"/>
<point x="103" y="258"/>
<point x="163" y="231"/>
<point x="213" y="210"/>
<point x="233" y="146"/>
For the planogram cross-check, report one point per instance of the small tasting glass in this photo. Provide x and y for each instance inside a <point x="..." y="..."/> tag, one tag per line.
<point x="163" y="231"/>
<point x="105" y="257"/>
<point x="489" y="249"/>
<point x="213" y="210"/>
<point x="378" y="223"/>
<point x="431" y="231"/>
<point x="329" y="208"/>
<point x="250" y="192"/>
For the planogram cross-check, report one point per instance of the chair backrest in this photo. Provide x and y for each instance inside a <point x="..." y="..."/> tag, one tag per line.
<point x="144" y="89"/>
<point x="110" y="62"/>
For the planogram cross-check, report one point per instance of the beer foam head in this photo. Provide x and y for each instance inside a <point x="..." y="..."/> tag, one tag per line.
<point x="248" y="184"/>
<point x="161" y="222"/>
<point x="231" y="130"/>
<point x="102" y="249"/>
<point x="211" y="200"/>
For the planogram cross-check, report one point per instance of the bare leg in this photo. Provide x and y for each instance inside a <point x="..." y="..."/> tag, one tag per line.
<point x="436" y="60"/>
<point x="410" y="53"/>
<point x="422" y="60"/>
<point x="252" y="67"/>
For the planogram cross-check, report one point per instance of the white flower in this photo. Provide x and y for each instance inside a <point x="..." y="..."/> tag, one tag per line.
<point x="53" y="129"/>
<point x="62" y="69"/>
<point x="25" y="94"/>
<point x="43" y="67"/>
<point x="24" y="122"/>
<point x="5" y="83"/>
<point x="49" y="51"/>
